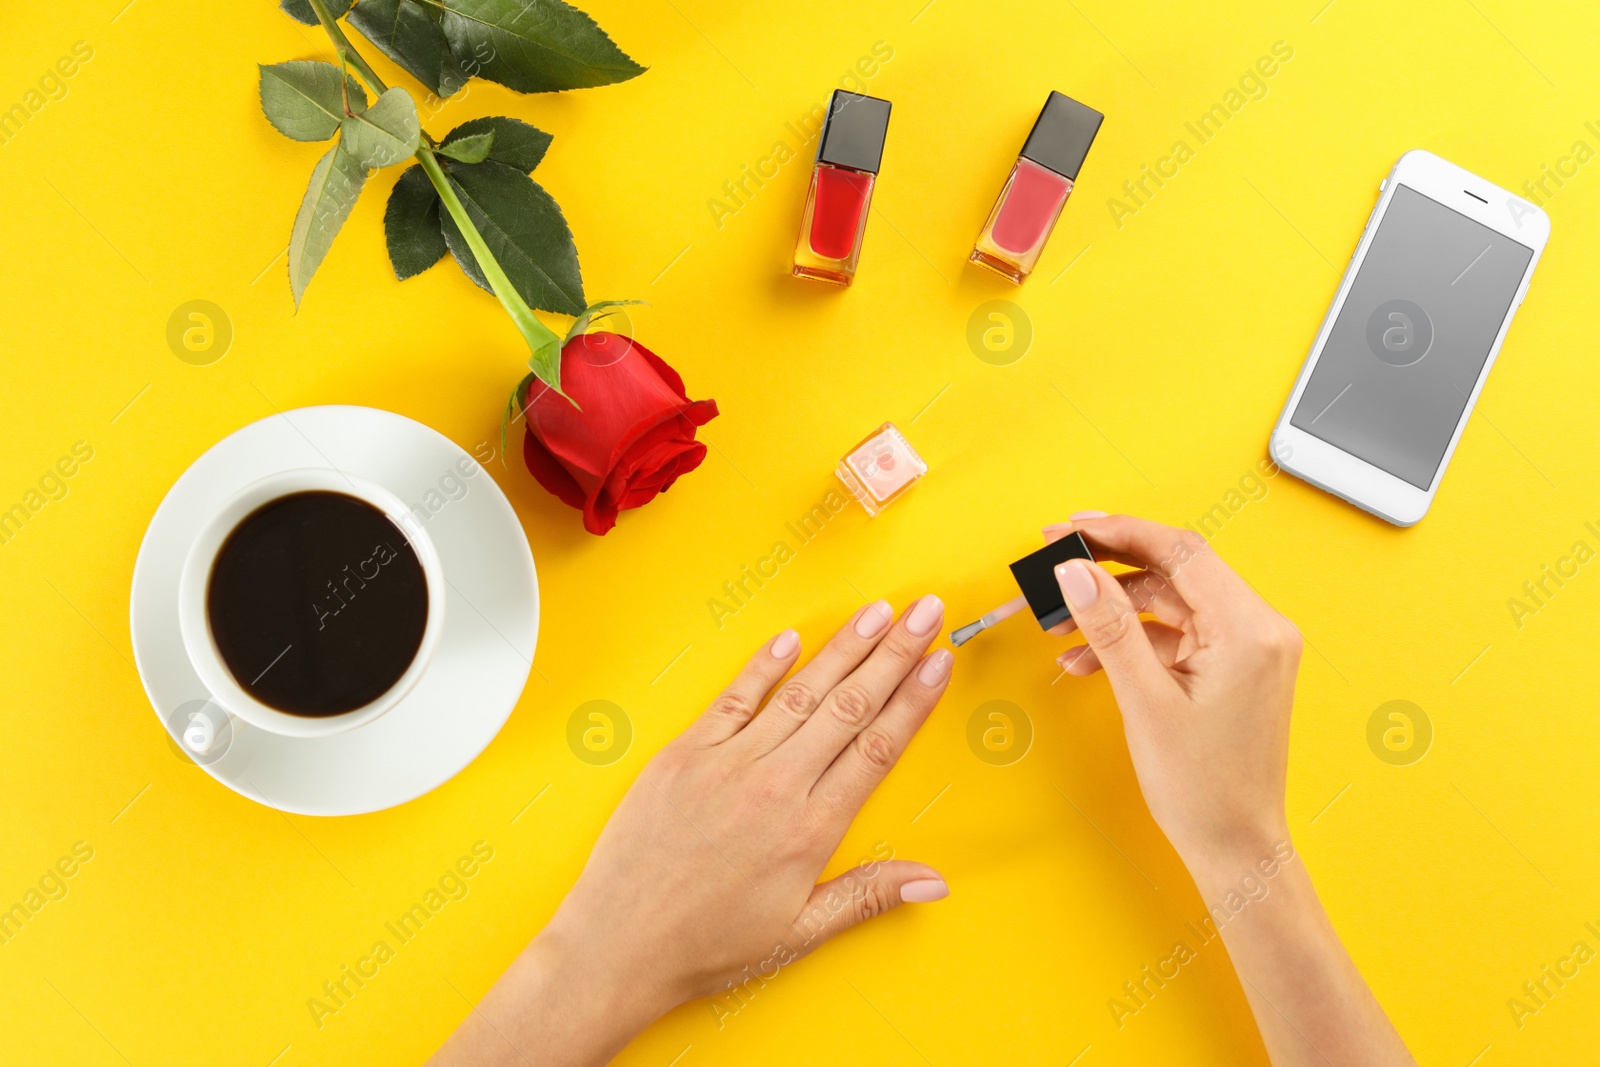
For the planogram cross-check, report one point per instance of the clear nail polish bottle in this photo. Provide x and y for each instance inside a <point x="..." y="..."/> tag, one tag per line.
<point x="1037" y="190"/>
<point x="881" y="469"/>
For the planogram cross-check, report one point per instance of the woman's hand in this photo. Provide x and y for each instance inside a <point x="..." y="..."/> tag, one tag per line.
<point x="706" y="876"/>
<point x="1205" y="687"/>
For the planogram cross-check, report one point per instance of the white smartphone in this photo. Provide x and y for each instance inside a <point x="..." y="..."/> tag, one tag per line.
<point x="1409" y="339"/>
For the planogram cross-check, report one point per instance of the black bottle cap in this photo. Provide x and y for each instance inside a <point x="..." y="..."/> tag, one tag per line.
<point x="1062" y="135"/>
<point x="852" y="134"/>
<point x="1036" y="576"/>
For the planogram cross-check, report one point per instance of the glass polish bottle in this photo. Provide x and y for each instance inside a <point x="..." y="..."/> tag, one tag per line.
<point x="835" y="220"/>
<point x="1037" y="190"/>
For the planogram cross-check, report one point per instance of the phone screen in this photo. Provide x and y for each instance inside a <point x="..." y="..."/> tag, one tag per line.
<point x="1412" y="337"/>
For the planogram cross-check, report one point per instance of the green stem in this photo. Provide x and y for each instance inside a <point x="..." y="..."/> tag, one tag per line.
<point x="541" y="339"/>
<point x="342" y="45"/>
<point x="543" y="343"/>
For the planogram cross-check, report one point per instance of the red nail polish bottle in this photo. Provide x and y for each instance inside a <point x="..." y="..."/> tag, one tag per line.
<point x="1038" y="188"/>
<point x="848" y="154"/>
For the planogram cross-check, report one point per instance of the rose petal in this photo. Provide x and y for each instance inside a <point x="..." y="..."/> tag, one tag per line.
<point x="668" y="374"/>
<point x="633" y="437"/>
<point x="550" y="473"/>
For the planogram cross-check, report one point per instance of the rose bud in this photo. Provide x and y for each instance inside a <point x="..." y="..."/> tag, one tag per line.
<point x="629" y="437"/>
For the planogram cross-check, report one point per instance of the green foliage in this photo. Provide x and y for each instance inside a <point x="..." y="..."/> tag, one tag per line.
<point x="300" y="10"/>
<point x="516" y="144"/>
<point x="408" y="32"/>
<point x="411" y="225"/>
<point x="302" y="98"/>
<point x="534" y="46"/>
<point x="336" y="181"/>
<point x="471" y="149"/>
<point x="482" y="201"/>
<point x="525" y="231"/>
<point x="385" y="133"/>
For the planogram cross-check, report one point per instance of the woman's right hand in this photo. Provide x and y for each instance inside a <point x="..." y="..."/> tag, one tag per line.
<point x="1205" y="690"/>
<point x="1205" y="687"/>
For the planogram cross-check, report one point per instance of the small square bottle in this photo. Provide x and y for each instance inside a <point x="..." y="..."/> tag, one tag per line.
<point x="835" y="220"/>
<point x="881" y="469"/>
<point x="1037" y="190"/>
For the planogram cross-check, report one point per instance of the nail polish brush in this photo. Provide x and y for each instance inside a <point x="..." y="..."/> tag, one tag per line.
<point x="1035" y="575"/>
<point x="973" y="629"/>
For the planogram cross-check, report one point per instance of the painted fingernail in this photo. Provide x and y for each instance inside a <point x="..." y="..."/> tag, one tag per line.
<point x="1069" y="659"/>
<point x="1088" y="515"/>
<point x="1077" y="584"/>
<point x="936" y="668"/>
<point x="874" y="619"/>
<point x="924" y="891"/>
<point x="784" y="645"/>
<point x="925" y="616"/>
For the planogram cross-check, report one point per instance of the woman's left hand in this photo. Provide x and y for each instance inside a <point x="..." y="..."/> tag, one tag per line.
<point x="706" y="875"/>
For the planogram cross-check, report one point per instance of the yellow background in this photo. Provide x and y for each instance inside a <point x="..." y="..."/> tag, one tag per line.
<point x="1159" y="361"/>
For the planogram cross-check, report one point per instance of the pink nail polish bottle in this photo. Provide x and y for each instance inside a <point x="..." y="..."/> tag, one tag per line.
<point x="1032" y="199"/>
<point x="881" y="469"/>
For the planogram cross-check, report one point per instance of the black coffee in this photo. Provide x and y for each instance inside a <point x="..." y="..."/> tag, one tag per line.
<point x="317" y="603"/>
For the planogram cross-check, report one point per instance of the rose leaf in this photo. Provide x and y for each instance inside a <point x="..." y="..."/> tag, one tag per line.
<point x="408" y="32"/>
<point x="411" y="225"/>
<point x="525" y="231"/>
<point x="516" y="144"/>
<point x="335" y="183"/>
<point x="559" y="48"/>
<point x="385" y="133"/>
<point x="302" y="99"/>
<point x="300" y="10"/>
<point x="473" y="148"/>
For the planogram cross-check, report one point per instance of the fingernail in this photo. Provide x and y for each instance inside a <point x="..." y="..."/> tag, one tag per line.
<point x="1077" y="584"/>
<point x="936" y="668"/>
<point x="925" y="616"/>
<point x="874" y="619"/>
<point x="1088" y="515"/>
<point x="784" y="645"/>
<point x="924" y="891"/>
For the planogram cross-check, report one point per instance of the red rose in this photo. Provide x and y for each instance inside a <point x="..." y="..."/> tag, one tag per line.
<point x="632" y="438"/>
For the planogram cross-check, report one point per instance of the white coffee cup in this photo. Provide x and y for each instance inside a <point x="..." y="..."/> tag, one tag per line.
<point x="194" y="620"/>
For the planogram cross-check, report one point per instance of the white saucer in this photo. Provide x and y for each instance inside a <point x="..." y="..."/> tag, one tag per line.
<point x="484" y="656"/>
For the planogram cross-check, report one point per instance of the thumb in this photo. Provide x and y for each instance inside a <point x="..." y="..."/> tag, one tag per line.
<point x="863" y="892"/>
<point x="1110" y="623"/>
